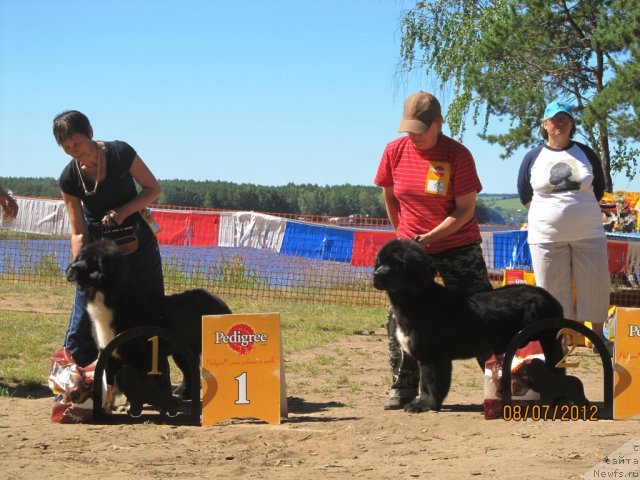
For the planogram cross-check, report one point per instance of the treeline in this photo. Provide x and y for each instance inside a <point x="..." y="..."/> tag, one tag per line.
<point x="338" y="200"/>
<point x="310" y="199"/>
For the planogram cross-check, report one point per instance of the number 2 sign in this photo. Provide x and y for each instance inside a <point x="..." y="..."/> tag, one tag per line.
<point x="242" y="370"/>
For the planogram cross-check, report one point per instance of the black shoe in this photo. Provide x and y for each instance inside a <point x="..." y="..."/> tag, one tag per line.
<point x="397" y="403"/>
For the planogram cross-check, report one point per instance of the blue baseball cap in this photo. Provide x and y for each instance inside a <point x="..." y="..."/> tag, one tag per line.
<point x="556" y="107"/>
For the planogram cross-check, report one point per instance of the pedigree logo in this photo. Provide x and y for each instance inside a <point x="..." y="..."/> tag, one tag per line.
<point x="241" y="338"/>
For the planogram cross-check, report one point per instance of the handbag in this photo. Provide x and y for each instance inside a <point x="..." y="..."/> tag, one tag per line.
<point x="73" y="389"/>
<point x="125" y="237"/>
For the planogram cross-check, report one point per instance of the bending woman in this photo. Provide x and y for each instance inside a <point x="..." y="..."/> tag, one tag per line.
<point x="99" y="191"/>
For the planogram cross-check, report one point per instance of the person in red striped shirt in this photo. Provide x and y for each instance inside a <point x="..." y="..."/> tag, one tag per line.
<point x="429" y="184"/>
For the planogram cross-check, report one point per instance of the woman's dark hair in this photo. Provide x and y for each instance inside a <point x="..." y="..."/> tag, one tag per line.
<point x="545" y="135"/>
<point x="69" y="123"/>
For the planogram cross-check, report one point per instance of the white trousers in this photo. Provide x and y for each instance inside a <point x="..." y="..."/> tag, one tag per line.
<point x="557" y="265"/>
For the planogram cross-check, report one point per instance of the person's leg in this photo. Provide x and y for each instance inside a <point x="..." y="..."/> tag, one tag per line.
<point x="79" y="337"/>
<point x="145" y="264"/>
<point x="144" y="270"/>
<point x="552" y="268"/>
<point x="405" y="373"/>
<point x="593" y="282"/>
<point x="463" y="269"/>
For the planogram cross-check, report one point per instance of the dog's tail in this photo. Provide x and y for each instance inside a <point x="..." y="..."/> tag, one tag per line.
<point x="544" y="306"/>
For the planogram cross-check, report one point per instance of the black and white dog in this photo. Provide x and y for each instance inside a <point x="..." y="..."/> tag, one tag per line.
<point x="436" y="325"/>
<point x="115" y="305"/>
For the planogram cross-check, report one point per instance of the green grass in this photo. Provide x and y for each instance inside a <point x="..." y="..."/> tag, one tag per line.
<point x="29" y="338"/>
<point x="51" y="296"/>
<point x="508" y="205"/>
<point x="27" y="342"/>
<point x="506" y="201"/>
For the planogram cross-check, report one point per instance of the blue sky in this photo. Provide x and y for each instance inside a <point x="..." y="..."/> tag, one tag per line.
<point x="266" y="92"/>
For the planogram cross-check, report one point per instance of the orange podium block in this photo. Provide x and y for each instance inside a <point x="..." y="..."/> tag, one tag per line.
<point x="242" y="369"/>
<point x="627" y="363"/>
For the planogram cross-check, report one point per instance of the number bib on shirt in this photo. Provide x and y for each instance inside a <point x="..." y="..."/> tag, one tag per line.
<point x="438" y="177"/>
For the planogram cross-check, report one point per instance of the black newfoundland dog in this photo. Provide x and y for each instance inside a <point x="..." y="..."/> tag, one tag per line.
<point x="115" y="306"/>
<point x="436" y="325"/>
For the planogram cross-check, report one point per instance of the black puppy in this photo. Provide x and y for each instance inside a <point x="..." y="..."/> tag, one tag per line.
<point x="436" y="325"/>
<point x="115" y="306"/>
<point x="551" y="385"/>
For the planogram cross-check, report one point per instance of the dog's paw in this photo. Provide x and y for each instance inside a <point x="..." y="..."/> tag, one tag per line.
<point x="417" y="406"/>
<point x="182" y="392"/>
<point x="422" y="405"/>
<point x="135" y="409"/>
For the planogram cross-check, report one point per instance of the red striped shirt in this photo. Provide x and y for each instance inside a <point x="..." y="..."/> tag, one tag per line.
<point x="426" y="185"/>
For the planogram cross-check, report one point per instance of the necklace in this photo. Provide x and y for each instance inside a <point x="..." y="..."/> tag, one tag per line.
<point x="95" y="186"/>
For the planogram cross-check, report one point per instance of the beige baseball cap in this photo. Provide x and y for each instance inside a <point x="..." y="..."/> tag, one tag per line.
<point x="420" y="110"/>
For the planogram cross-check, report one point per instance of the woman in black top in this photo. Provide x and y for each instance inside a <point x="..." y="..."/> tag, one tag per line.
<point x="99" y="191"/>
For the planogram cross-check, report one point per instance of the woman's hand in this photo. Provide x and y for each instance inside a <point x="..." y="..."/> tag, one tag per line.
<point x="112" y="219"/>
<point x="464" y="211"/>
<point x="422" y="239"/>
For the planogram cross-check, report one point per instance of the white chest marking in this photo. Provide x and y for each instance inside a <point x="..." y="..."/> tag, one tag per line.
<point x="102" y="317"/>
<point x="402" y="339"/>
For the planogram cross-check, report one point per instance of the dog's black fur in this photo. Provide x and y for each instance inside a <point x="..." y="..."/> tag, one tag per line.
<point x="551" y="385"/>
<point x="436" y="325"/>
<point x="140" y="392"/>
<point x="115" y="305"/>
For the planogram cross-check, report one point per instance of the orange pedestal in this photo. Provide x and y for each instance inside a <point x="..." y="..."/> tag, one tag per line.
<point x="627" y="363"/>
<point x="242" y="369"/>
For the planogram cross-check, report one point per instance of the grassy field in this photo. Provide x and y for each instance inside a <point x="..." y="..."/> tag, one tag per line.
<point x="507" y="204"/>
<point x="507" y="201"/>
<point x="28" y="337"/>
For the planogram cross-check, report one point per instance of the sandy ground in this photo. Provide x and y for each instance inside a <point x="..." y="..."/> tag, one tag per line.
<point x="336" y="429"/>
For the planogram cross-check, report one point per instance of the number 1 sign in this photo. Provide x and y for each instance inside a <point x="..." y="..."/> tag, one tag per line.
<point x="242" y="370"/>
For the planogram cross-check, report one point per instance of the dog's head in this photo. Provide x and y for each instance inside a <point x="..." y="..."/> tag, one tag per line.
<point x="98" y="266"/>
<point x="403" y="265"/>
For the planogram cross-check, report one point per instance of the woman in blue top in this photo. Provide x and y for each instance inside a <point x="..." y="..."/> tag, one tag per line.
<point x="561" y="183"/>
<point x="99" y="191"/>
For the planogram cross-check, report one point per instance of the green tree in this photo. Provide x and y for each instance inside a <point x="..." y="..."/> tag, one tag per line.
<point x="337" y="200"/>
<point x="178" y="194"/>
<point x="508" y="58"/>
<point x="32" y="187"/>
<point x="372" y="203"/>
<point x="311" y="200"/>
<point x="482" y="212"/>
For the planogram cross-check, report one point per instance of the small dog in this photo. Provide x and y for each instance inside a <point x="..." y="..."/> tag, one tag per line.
<point x="551" y="385"/>
<point x="115" y="306"/>
<point x="436" y="325"/>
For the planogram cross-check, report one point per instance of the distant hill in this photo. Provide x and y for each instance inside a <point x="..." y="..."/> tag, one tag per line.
<point x="507" y="205"/>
